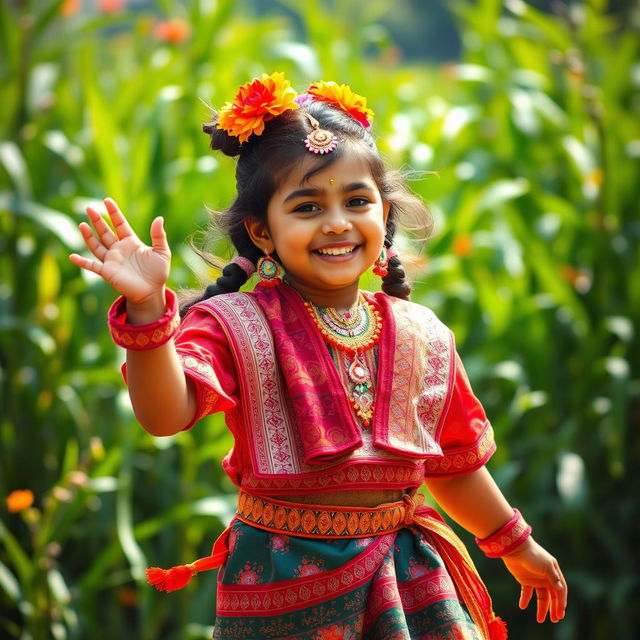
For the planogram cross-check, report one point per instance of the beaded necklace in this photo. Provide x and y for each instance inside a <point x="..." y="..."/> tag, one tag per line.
<point x="353" y="332"/>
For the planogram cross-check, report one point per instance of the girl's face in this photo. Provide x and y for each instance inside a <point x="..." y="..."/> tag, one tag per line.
<point x="327" y="230"/>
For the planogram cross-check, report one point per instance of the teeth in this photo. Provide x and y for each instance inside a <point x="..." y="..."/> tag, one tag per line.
<point x="335" y="251"/>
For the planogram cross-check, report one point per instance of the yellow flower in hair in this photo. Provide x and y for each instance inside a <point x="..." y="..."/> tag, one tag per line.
<point x="341" y="96"/>
<point x="257" y="102"/>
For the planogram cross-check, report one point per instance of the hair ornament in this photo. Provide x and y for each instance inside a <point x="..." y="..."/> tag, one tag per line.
<point x="342" y="97"/>
<point x="319" y="140"/>
<point x="257" y="102"/>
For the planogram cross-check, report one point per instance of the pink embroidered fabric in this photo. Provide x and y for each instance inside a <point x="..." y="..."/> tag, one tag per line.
<point x="327" y="425"/>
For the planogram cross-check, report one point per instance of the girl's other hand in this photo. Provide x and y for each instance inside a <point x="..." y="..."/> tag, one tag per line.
<point x="133" y="269"/>
<point x="536" y="569"/>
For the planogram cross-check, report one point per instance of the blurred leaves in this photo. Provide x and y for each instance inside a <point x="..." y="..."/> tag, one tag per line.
<point x="531" y="148"/>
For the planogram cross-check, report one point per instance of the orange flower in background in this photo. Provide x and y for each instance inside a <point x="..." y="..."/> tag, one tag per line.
<point x="462" y="245"/>
<point x="257" y="102"/>
<point x="176" y="31"/>
<point x="111" y="6"/>
<point x="341" y="96"/>
<point x="19" y="500"/>
<point x="70" y="7"/>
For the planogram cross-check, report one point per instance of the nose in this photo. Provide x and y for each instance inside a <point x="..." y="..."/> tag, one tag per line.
<point x="336" y="222"/>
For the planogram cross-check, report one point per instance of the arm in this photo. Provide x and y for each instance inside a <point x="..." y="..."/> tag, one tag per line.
<point x="162" y="398"/>
<point x="476" y="503"/>
<point x="473" y="500"/>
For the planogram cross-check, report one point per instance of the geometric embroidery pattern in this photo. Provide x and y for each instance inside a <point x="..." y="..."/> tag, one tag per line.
<point x="265" y="402"/>
<point x="354" y="474"/>
<point x="463" y="458"/>
<point x="349" y="522"/>
<point x="142" y="339"/>
<point x="422" y="370"/>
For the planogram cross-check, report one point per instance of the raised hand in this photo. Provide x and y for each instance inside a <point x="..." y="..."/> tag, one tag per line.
<point x="135" y="270"/>
<point x="535" y="569"/>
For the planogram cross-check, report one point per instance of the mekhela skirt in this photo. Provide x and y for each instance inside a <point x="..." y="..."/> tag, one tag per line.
<point x="387" y="587"/>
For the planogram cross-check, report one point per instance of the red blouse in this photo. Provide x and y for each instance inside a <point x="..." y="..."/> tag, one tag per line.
<point x="466" y="437"/>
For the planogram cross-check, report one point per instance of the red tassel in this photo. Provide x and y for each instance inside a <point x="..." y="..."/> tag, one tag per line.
<point x="170" y="579"/>
<point x="177" y="577"/>
<point x="498" y="629"/>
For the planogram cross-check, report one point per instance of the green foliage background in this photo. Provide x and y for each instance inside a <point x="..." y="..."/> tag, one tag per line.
<point x="534" y="136"/>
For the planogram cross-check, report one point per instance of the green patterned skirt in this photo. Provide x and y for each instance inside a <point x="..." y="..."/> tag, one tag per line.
<point x="388" y="587"/>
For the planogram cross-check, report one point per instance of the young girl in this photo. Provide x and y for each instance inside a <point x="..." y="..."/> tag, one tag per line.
<point x="341" y="402"/>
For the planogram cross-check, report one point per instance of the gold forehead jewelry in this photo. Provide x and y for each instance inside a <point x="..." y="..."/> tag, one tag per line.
<point x="319" y="140"/>
<point x="332" y="180"/>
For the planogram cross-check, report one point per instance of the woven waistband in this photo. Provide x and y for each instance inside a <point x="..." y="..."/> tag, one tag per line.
<point x="326" y="521"/>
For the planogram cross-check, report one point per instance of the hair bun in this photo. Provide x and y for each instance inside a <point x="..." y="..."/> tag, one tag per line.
<point x="220" y="139"/>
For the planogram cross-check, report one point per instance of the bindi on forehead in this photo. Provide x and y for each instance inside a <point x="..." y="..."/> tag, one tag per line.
<point x="346" y="173"/>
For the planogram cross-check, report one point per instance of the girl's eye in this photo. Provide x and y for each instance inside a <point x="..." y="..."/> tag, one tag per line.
<point x="306" y="207"/>
<point x="358" y="201"/>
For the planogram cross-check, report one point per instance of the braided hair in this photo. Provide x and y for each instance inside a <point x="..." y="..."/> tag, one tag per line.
<point x="263" y="161"/>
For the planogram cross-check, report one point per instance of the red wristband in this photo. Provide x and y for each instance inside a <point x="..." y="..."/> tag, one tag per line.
<point x="142" y="337"/>
<point x="507" y="538"/>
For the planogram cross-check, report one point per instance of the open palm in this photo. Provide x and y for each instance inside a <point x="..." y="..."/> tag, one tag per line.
<point x="132" y="268"/>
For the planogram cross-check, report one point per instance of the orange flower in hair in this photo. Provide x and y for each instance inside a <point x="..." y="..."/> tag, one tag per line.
<point x="341" y="96"/>
<point x="257" y="102"/>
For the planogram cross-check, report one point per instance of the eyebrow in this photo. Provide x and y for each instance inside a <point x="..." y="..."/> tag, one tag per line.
<point x="303" y="193"/>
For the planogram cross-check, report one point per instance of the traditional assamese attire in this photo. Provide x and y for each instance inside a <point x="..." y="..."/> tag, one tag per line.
<point x="314" y="572"/>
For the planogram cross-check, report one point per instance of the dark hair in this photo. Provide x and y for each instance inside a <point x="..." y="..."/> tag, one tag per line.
<point x="263" y="161"/>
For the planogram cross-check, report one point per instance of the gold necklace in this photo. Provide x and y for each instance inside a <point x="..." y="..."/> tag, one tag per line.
<point x="353" y="336"/>
<point x="348" y="319"/>
<point x="358" y="334"/>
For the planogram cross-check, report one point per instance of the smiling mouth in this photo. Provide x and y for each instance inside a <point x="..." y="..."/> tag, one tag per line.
<point x="336" y="251"/>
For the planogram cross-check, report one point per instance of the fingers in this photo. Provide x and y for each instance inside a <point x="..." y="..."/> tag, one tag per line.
<point x="97" y="248"/>
<point x="551" y="602"/>
<point x="159" y="237"/>
<point x="538" y="570"/>
<point x="103" y="231"/>
<point x="86" y="264"/>
<point x="525" y="596"/>
<point x="100" y="242"/>
<point x="120" y="224"/>
<point x="551" y="595"/>
<point x="559" y="593"/>
<point x="544" y="601"/>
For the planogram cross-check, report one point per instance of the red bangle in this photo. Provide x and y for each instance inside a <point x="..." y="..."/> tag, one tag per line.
<point x="507" y="538"/>
<point x="142" y="337"/>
